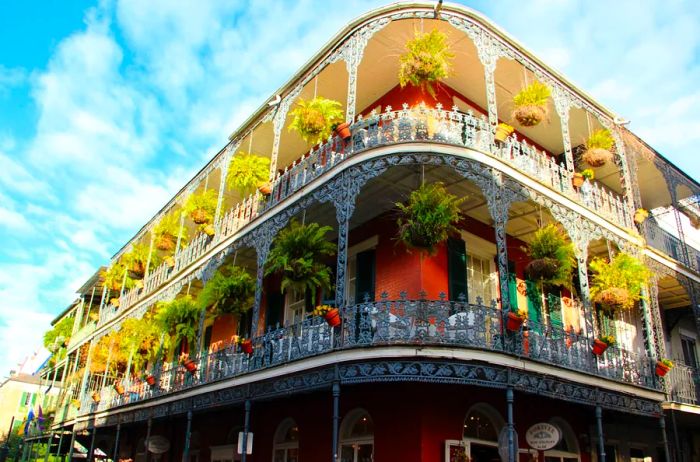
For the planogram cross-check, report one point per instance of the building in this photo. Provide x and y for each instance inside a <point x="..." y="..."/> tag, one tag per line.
<point x="423" y="365"/>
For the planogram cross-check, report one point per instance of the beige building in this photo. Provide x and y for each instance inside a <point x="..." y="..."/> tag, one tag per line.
<point x="18" y="394"/>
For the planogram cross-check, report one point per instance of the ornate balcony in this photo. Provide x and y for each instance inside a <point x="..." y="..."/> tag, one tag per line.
<point x="394" y="323"/>
<point x="684" y="384"/>
<point x="670" y="245"/>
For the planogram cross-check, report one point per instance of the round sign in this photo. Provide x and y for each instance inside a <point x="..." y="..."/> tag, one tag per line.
<point x="158" y="444"/>
<point x="542" y="436"/>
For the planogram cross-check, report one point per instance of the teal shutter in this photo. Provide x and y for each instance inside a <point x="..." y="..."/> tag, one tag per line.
<point x="555" y="314"/>
<point x="364" y="278"/>
<point x="457" y="269"/>
<point x="534" y="305"/>
<point x="512" y="286"/>
<point x="23" y="400"/>
<point x="274" y="308"/>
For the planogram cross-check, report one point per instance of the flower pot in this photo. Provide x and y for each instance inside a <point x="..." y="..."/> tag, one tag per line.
<point x="95" y="396"/>
<point x="503" y="131"/>
<point x="170" y="261"/>
<point x="614" y="298"/>
<point x="150" y="380"/>
<point x="199" y="216"/>
<point x="578" y="180"/>
<point x="209" y="230"/>
<point x="529" y="115"/>
<point x="661" y="369"/>
<point x="114" y="302"/>
<point x="332" y="317"/>
<point x="514" y="322"/>
<point x="247" y="347"/>
<point x="343" y="131"/>
<point x="190" y="365"/>
<point x="542" y="268"/>
<point x="166" y="242"/>
<point x="640" y="216"/>
<point x="597" y="157"/>
<point x="119" y="388"/>
<point x="599" y="347"/>
<point x="265" y="188"/>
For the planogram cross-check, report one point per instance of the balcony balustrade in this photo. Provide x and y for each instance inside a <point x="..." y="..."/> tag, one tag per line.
<point x="419" y="323"/>
<point x="389" y="128"/>
<point x="684" y="384"/>
<point x="669" y="244"/>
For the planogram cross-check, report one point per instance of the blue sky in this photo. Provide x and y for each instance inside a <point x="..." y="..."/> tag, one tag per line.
<point x="107" y="108"/>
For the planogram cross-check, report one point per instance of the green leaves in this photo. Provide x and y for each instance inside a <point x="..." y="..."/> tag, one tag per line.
<point x="600" y="139"/>
<point x="201" y="207"/>
<point x="230" y="291"/>
<point x="622" y="272"/>
<point x="549" y="243"/>
<point x="179" y="318"/>
<point x="535" y="94"/>
<point x="314" y="120"/>
<point x="427" y="60"/>
<point x="246" y="172"/>
<point x="297" y="253"/>
<point x="428" y="217"/>
<point x="59" y="336"/>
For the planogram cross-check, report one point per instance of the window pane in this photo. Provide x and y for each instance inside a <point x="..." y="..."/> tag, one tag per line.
<point x="364" y="453"/>
<point x="480" y="427"/>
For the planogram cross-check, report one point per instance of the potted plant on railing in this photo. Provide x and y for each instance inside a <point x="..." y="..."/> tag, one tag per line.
<point x="298" y="254"/>
<point x="617" y="284"/>
<point x="244" y="344"/>
<point x="118" y="387"/>
<point x="640" y="215"/>
<point x="230" y="291"/>
<point x="314" y="120"/>
<point x="503" y="131"/>
<point x="149" y="378"/>
<point x="663" y="366"/>
<point x="598" y="147"/>
<point x="579" y="178"/>
<point x="602" y="343"/>
<point x="427" y="60"/>
<point x="201" y="207"/>
<point x="552" y="257"/>
<point x="428" y="217"/>
<point x="246" y="172"/>
<point x="167" y="230"/>
<point x="188" y="363"/>
<point x="530" y="104"/>
<point x="179" y="318"/>
<point x="329" y="313"/>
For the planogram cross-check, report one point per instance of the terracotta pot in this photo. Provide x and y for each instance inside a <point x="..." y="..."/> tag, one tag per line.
<point x="578" y="180"/>
<point x="599" y="347"/>
<point x="265" y="188"/>
<point x="96" y="396"/>
<point x="343" y="131"/>
<point x="514" y="322"/>
<point x="247" y="347"/>
<point x="332" y="317"/>
<point x="190" y="365"/>
<point x="151" y="380"/>
<point x="503" y="131"/>
<point x="661" y="369"/>
<point x="119" y="388"/>
<point x="199" y="216"/>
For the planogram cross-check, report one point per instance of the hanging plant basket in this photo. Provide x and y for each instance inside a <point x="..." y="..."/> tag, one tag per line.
<point x="530" y="115"/>
<point x="514" y="321"/>
<point x="343" y="131"/>
<point x="119" y="388"/>
<point x="200" y="216"/>
<point x="530" y="104"/>
<point x="599" y="347"/>
<point x="137" y="270"/>
<point x="542" y="268"/>
<point x="597" y="157"/>
<point x="614" y="298"/>
<point x="598" y="146"/>
<point x="166" y="242"/>
<point x="247" y="346"/>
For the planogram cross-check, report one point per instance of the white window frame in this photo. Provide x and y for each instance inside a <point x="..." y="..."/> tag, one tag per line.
<point x="284" y="446"/>
<point x="290" y="298"/>
<point x="367" y="244"/>
<point x="484" y="250"/>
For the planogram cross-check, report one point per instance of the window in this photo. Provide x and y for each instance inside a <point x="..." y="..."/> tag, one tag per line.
<point x="566" y="449"/>
<point x="689" y="351"/>
<point x="480" y="433"/>
<point x="360" y="274"/>
<point x="357" y="437"/>
<point x="295" y="306"/>
<point x="480" y="280"/>
<point x="286" y="442"/>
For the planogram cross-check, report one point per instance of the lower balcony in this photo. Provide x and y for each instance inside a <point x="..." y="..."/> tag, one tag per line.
<point x="684" y="384"/>
<point x="403" y="322"/>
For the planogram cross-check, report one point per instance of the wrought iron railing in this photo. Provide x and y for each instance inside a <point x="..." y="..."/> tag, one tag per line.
<point x="684" y="384"/>
<point x="422" y="124"/>
<point x="454" y="324"/>
<point x="669" y="244"/>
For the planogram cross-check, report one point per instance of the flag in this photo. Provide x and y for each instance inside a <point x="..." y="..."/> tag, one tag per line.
<point x="40" y="420"/>
<point x="30" y="417"/>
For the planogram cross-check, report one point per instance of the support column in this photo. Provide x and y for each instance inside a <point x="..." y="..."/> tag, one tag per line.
<point x="262" y="240"/>
<point x="657" y="329"/>
<point x="512" y="444"/>
<point x="48" y="447"/>
<point x="91" y="452"/>
<point x="336" y="418"/>
<point x="649" y="338"/>
<point x="225" y="162"/>
<point x="115" y="454"/>
<point x="246" y="429"/>
<point x="563" y="107"/>
<point x="148" y="437"/>
<point x="601" y="440"/>
<point x="581" y="249"/>
<point x="344" y="208"/>
<point x="60" y="443"/>
<point x="499" y="201"/>
<point x="664" y="439"/>
<point x="72" y="444"/>
<point x="188" y="432"/>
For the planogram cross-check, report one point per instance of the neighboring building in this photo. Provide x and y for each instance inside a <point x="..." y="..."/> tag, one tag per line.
<point x="18" y="394"/>
<point x="422" y="364"/>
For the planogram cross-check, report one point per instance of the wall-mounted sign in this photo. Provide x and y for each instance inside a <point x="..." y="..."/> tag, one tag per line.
<point x="542" y="436"/>
<point x="158" y="444"/>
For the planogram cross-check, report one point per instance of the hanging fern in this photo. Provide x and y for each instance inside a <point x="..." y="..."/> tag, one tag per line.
<point x="246" y="172"/>
<point x="618" y="284"/>
<point x="230" y="291"/>
<point x="552" y="256"/>
<point x="139" y="338"/>
<point x="201" y="207"/>
<point x="114" y="278"/>
<point x="297" y="254"/>
<point x="179" y="318"/>
<point x="314" y="120"/>
<point x="167" y="231"/>
<point x="427" y="60"/>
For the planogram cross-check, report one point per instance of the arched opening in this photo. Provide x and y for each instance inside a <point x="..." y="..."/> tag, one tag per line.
<point x="567" y="449"/>
<point x="357" y="437"/>
<point x="286" y="442"/>
<point x="482" y="426"/>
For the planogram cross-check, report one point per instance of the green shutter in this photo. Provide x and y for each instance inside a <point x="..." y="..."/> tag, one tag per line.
<point x="274" y="308"/>
<point x="534" y="305"/>
<point x="23" y="400"/>
<point x="554" y="310"/>
<point x="207" y="337"/>
<point x="34" y="395"/>
<point x="457" y="269"/>
<point x="364" y="278"/>
<point x="512" y="286"/>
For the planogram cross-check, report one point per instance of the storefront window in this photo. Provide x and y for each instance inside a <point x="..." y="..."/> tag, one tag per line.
<point x="286" y="442"/>
<point x="357" y="437"/>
